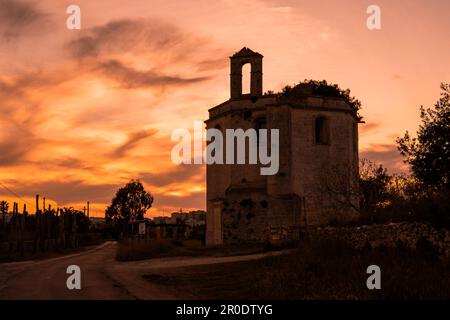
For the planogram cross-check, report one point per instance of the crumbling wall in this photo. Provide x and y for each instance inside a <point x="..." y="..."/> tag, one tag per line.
<point x="244" y="219"/>
<point x="409" y="235"/>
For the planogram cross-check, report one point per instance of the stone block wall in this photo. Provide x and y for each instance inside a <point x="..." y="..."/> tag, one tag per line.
<point x="388" y="235"/>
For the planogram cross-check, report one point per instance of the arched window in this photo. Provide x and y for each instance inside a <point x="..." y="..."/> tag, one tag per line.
<point x="322" y="131"/>
<point x="246" y="79"/>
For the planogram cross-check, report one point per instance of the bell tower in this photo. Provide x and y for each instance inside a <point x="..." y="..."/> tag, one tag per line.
<point x="238" y="60"/>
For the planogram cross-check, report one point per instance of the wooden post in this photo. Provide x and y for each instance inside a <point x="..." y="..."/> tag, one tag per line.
<point x="88" y="209"/>
<point x="49" y="220"/>
<point x="74" y="231"/>
<point x="37" y="239"/>
<point x="3" y="216"/>
<point x="43" y="207"/>
<point x="23" y="219"/>
<point x="62" y="229"/>
<point x="14" y="231"/>
<point x="37" y="204"/>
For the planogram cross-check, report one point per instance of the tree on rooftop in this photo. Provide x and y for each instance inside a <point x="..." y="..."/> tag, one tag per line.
<point x="320" y="88"/>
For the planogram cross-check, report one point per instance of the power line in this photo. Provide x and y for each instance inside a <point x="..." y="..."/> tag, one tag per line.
<point x="16" y="195"/>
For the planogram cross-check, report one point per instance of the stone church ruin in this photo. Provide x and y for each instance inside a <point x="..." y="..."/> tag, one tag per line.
<point x="318" y="161"/>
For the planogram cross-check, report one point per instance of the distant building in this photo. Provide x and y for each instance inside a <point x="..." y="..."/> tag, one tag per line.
<point x="191" y="219"/>
<point x="163" y="220"/>
<point x="180" y="225"/>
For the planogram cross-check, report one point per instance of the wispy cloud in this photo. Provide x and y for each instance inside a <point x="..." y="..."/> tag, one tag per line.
<point x="368" y="127"/>
<point x="157" y="43"/>
<point x="65" y="192"/>
<point x="127" y="35"/>
<point x="181" y="173"/>
<point x="18" y="17"/>
<point x="387" y="155"/>
<point x="15" y="143"/>
<point x="131" y="78"/>
<point x="133" y="140"/>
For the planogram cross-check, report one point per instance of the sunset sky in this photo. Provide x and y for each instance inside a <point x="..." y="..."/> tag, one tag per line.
<point x="84" y="111"/>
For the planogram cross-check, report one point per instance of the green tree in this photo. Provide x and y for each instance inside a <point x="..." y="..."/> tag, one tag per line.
<point x="428" y="154"/>
<point x="130" y="202"/>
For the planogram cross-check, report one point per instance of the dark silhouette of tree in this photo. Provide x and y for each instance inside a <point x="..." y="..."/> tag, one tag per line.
<point x="131" y="202"/>
<point x="321" y="88"/>
<point x="4" y="206"/>
<point x="373" y="184"/>
<point x="82" y="221"/>
<point x="429" y="153"/>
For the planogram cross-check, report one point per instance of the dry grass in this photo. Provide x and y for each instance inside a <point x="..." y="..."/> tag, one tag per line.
<point x="131" y="250"/>
<point x="139" y="250"/>
<point x="320" y="271"/>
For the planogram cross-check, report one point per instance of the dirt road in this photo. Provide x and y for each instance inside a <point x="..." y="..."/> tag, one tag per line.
<point x="46" y="279"/>
<point x="102" y="277"/>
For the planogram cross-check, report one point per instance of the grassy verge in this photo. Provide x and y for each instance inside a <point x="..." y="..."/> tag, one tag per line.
<point x="131" y="250"/>
<point x="320" y="271"/>
<point x="48" y="254"/>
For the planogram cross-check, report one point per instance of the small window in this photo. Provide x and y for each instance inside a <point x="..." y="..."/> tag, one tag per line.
<point x="322" y="131"/>
<point x="213" y="153"/>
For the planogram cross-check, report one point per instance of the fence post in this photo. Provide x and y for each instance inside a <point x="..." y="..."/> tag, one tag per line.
<point x="62" y="229"/>
<point x="37" y="239"/>
<point x="74" y="230"/>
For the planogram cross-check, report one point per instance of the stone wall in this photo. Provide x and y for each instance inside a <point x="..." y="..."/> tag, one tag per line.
<point x="388" y="235"/>
<point x="244" y="219"/>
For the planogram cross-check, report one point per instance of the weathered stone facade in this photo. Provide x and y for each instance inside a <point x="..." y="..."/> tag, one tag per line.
<point x="318" y="163"/>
